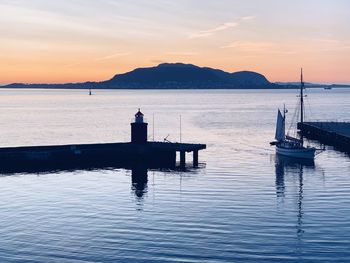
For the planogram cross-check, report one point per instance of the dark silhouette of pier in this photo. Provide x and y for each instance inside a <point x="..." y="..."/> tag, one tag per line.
<point x="331" y="133"/>
<point x="128" y="154"/>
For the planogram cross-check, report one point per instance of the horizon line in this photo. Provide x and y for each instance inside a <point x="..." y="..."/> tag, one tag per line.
<point x="172" y="63"/>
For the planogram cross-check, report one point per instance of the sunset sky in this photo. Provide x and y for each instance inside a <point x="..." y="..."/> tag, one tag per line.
<point x="79" y="40"/>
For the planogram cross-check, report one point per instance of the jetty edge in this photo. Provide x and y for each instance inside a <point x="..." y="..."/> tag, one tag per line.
<point x="332" y="133"/>
<point x="139" y="151"/>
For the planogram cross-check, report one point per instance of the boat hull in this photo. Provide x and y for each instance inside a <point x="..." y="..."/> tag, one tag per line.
<point x="304" y="153"/>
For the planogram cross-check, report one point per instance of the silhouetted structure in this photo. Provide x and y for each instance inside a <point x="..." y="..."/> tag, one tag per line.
<point x="138" y="151"/>
<point x="332" y="133"/>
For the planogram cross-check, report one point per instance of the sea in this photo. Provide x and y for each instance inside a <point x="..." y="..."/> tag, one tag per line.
<point x="242" y="204"/>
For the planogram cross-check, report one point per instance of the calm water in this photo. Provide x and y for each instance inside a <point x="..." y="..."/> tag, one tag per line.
<point x="241" y="205"/>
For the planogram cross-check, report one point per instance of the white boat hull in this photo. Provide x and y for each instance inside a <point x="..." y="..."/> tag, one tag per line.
<point x="304" y="153"/>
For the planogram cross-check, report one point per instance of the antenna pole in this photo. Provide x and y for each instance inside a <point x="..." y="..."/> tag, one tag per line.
<point x="153" y="125"/>
<point x="284" y="119"/>
<point x="301" y="97"/>
<point x="180" y="130"/>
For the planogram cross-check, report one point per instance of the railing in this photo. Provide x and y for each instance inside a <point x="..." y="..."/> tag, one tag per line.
<point x="330" y="120"/>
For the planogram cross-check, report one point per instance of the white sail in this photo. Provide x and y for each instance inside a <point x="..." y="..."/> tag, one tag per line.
<point x="280" y="127"/>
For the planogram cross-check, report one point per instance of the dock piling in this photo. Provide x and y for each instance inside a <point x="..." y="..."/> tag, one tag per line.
<point x="182" y="159"/>
<point x="195" y="158"/>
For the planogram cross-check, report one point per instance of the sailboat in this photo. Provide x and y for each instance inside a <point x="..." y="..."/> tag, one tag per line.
<point x="287" y="145"/>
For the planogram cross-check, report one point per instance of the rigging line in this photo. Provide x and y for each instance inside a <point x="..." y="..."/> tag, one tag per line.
<point x="308" y="104"/>
<point x="293" y="120"/>
<point x="290" y="126"/>
<point x="309" y="108"/>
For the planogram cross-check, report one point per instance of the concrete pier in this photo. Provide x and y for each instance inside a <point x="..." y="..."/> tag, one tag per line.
<point x="138" y="152"/>
<point x="331" y="133"/>
<point x="150" y="154"/>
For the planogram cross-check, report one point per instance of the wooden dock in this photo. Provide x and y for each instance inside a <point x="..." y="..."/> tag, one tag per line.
<point x="331" y="133"/>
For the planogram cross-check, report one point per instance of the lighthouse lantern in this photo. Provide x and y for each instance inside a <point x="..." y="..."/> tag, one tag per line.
<point x="139" y="117"/>
<point x="139" y="129"/>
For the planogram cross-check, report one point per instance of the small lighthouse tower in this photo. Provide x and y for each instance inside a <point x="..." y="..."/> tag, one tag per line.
<point x="139" y="129"/>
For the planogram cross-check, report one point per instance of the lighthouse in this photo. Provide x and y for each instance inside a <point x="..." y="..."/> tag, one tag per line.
<point x="139" y="129"/>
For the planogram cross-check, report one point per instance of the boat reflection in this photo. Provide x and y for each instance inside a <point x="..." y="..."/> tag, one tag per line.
<point x="291" y="167"/>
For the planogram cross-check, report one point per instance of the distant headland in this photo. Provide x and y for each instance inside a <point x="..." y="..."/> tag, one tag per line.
<point x="173" y="76"/>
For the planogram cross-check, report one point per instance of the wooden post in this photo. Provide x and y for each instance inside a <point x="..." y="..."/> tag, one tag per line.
<point x="182" y="159"/>
<point x="195" y="158"/>
<point x="173" y="161"/>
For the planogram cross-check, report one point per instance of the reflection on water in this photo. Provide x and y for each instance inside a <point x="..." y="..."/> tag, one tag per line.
<point x="285" y="166"/>
<point x="291" y="167"/>
<point x="139" y="172"/>
<point x="139" y="179"/>
<point x="227" y="212"/>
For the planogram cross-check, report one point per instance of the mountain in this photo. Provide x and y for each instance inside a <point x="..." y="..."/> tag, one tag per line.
<point x="186" y="76"/>
<point x="171" y="76"/>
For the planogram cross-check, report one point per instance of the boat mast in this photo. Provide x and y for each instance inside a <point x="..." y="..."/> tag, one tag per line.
<point x="301" y="97"/>
<point x="284" y="120"/>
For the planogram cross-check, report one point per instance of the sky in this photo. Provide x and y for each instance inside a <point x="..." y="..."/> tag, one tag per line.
<point x="91" y="40"/>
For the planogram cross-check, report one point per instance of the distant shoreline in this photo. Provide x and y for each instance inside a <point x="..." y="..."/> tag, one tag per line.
<point x="135" y="89"/>
<point x="179" y="76"/>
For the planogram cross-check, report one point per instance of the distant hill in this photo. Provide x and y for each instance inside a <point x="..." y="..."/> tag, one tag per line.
<point x="179" y="76"/>
<point x="170" y="76"/>
<point x="187" y="76"/>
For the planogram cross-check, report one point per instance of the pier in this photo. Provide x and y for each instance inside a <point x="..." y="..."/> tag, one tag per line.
<point x="331" y="133"/>
<point x="139" y="151"/>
